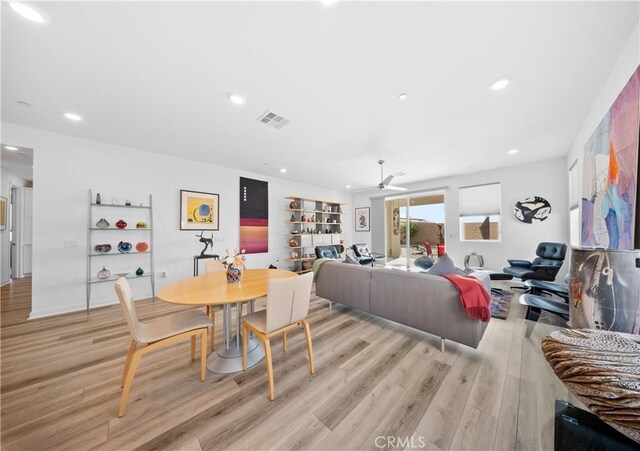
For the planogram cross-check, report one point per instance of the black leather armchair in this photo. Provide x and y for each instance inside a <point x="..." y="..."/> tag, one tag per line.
<point x="549" y="259"/>
<point x="330" y="251"/>
<point x="364" y="256"/>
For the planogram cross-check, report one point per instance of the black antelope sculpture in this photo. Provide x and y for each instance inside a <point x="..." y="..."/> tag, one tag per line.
<point x="206" y="241"/>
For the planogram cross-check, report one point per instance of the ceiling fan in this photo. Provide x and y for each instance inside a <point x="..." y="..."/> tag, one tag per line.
<point x="385" y="182"/>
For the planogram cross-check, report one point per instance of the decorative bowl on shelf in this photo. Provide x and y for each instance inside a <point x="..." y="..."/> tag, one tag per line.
<point x="293" y="205"/>
<point x="141" y="225"/>
<point x="102" y="224"/>
<point x="124" y="247"/>
<point x="121" y="224"/>
<point x="104" y="273"/>
<point x="102" y="248"/>
<point x="139" y="271"/>
<point x="142" y="246"/>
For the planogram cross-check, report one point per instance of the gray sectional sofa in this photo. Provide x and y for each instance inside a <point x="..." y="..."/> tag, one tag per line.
<point x="422" y="301"/>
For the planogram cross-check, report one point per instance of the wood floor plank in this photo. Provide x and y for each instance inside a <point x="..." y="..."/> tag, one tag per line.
<point x="352" y="432"/>
<point x="492" y="374"/>
<point x="335" y="409"/>
<point x="60" y="386"/>
<point x="476" y="430"/>
<point x="305" y="435"/>
<point x="404" y="416"/>
<point x="507" y="429"/>
<point x="441" y="418"/>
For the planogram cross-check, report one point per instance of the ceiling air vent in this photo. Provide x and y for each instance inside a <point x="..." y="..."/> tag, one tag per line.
<point x="272" y="119"/>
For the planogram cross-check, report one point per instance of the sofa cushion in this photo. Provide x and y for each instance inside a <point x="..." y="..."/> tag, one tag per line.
<point x="444" y="265"/>
<point x="346" y="284"/>
<point x="423" y="301"/>
<point x="483" y="277"/>
<point x="424" y="262"/>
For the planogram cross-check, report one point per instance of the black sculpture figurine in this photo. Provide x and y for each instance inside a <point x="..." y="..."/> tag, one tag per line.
<point x="207" y="242"/>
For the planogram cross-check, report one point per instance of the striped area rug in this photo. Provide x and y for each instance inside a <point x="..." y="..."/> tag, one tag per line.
<point x="500" y="304"/>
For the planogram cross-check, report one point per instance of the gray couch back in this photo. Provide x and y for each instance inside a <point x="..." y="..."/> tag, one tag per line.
<point x="422" y="301"/>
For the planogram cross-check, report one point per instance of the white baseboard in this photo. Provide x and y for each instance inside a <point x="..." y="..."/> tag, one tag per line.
<point x="4" y="282"/>
<point x="75" y="308"/>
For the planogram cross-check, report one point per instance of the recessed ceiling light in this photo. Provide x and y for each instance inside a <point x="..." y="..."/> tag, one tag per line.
<point x="72" y="117"/>
<point x="513" y="151"/>
<point x="329" y="2"/>
<point x="236" y="98"/>
<point x="13" y="148"/>
<point x="283" y="170"/>
<point x="500" y="83"/>
<point x="27" y="12"/>
<point x="403" y="96"/>
<point x="348" y="186"/>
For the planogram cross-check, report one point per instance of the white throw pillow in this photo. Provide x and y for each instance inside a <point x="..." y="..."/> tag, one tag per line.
<point x="444" y="265"/>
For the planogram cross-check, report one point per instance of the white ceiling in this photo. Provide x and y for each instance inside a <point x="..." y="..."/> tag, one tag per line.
<point x="18" y="162"/>
<point x="154" y="76"/>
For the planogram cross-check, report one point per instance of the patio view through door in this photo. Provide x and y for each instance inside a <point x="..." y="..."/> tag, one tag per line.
<point x="424" y="213"/>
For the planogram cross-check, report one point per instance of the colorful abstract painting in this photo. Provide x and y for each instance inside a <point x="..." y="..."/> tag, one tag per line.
<point x="610" y="179"/>
<point x="199" y="211"/>
<point x="254" y="216"/>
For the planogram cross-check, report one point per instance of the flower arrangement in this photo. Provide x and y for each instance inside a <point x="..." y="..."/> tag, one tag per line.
<point x="234" y="263"/>
<point x="234" y="259"/>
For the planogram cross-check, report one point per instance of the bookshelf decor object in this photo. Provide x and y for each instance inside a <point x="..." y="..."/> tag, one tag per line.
<point x="109" y="238"/>
<point x="312" y="222"/>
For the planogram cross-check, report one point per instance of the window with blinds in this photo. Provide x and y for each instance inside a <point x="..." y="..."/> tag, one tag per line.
<point x="480" y="212"/>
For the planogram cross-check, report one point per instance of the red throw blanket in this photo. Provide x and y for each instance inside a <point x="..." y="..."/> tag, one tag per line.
<point x="474" y="297"/>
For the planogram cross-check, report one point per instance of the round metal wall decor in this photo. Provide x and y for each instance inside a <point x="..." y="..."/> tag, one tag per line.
<point x="532" y="208"/>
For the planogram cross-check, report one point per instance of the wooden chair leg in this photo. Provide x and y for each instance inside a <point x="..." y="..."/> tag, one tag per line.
<point x="269" y="362"/>
<point x="245" y="334"/>
<point x="307" y="333"/>
<point x="193" y="347"/>
<point x="213" y="329"/>
<point x="284" y="341"/>
<point x="128" y="381"/>
<point x="127" y="362"/>
<point x="203" y="355"/>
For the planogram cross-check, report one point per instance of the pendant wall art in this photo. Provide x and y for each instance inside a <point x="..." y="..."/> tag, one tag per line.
<point x="532" y="208"/>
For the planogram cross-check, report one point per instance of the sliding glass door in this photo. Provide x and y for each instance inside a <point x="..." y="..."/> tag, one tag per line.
<point x="414" y="228"/>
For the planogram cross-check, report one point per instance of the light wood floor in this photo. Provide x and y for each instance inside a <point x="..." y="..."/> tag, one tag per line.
<point x="61" y="384"/>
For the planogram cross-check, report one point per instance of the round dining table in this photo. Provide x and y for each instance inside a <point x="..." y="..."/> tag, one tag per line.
<point x="213" y="290"/>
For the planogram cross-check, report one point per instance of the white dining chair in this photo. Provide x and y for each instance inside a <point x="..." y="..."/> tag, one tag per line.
<point x="157" y="333"/>
<point x="287" y="307"/>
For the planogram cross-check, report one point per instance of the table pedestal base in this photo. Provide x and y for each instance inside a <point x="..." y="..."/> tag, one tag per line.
<point x="229" y="360"/>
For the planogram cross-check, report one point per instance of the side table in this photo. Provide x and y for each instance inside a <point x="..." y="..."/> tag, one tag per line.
<point x="197" y="258"/>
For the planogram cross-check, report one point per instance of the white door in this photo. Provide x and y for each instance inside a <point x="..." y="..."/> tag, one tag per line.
<point x="13" y="223"/>
<point x="27" y="230"/>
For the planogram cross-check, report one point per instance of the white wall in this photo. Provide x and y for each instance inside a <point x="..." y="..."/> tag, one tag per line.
<point x="620" y="74"/>
<point x="66" y="167"/>
<point x="547" y="179"/>
<point x="7" y="180"/>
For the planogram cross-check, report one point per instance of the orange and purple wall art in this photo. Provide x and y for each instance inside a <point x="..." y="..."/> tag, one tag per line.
<point x="254" y="216"/>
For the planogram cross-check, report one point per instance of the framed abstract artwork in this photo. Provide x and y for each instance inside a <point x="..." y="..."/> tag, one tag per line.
<point x="3" y="213"/>
<point x="362" y="217"/>
<point x="610" y="178"/>
<point x="254" y="216"/>
<point x="199" y="211"/>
